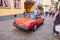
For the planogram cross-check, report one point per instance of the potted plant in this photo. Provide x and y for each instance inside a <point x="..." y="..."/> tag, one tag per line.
<point x="40" y="8"/>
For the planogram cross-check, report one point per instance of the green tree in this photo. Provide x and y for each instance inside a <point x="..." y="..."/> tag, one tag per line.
<point x="56" y="4"/>
<point x="40" y="8"/>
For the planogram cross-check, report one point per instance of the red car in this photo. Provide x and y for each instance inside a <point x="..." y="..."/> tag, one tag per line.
<point x="28" y="23"/>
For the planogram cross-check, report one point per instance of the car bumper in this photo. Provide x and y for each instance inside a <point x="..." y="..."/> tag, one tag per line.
<point x="20" y="26"/>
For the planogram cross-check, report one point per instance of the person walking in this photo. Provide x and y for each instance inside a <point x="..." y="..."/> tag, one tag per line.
<point x="36" y="12"/>
<point x="50" y="12"/>
<point x="53" y="13"/>
<point x="56" y="21"/>
<point x="46" y="12"/>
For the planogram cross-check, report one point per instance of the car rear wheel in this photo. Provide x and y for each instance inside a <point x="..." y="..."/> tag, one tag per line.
<point x="42" y="22"/>
<point x="35" y="27"/>
<point x="17" y="27"/>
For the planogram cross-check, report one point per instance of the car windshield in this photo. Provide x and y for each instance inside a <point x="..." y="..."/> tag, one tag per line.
<point x="33" y="17"/>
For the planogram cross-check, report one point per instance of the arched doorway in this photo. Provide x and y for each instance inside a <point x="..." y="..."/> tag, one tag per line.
<point x="29" y="5"/>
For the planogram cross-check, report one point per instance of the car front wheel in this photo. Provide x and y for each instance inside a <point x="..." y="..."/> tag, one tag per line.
<point x="35" y="27"/>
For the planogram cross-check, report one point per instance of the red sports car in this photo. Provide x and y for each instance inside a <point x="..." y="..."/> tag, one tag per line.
<point x="28" y="23"/>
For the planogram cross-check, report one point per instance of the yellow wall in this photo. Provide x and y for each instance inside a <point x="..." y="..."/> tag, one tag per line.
<point x="12" y="11"/>
<point x="32" y="8"/>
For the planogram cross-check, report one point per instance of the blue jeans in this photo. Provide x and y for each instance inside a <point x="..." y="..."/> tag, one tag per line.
<point x="50" y="13"/>
<point x="46" y="13"/>
<point x="53" y="14"/>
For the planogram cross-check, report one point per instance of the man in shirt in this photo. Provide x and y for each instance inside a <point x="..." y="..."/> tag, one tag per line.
<point x="55" y="21"/>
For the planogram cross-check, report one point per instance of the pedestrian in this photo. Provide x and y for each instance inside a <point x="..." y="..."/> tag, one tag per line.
<point x="36" y="13"/>
<point x="56" y="21"/>
<point x="46" y="12"/>
<point x="52" y="9"/>
<point x="53" y="14"/>
<point x="50" y="12"/>
<point x="24" y="14"/>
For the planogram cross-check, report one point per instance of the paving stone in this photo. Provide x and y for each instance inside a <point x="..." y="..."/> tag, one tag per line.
<point x="44" y="32"/>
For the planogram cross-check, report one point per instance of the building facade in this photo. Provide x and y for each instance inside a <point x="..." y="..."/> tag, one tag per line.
<point x="11" y="7"/>
<point x="45" y="3"/>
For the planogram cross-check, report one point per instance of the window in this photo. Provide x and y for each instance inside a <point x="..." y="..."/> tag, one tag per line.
<point x="16" y="3"/>
<point x="1" y="4"/>
<point x="4" y="3"/>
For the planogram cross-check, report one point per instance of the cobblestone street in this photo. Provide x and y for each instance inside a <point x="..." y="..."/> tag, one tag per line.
<point x="44" y="32"/>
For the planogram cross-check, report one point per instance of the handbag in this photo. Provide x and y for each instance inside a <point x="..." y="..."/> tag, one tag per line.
<point x="57" y="28"/>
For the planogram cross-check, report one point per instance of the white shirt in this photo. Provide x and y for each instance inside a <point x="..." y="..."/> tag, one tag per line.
<point x="35" y="12"/>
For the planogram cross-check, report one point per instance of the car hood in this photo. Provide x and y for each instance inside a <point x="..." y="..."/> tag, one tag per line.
<point x="24" y="21"/>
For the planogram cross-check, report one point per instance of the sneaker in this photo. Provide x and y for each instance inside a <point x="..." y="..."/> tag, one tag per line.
<point x="55" y="34"/>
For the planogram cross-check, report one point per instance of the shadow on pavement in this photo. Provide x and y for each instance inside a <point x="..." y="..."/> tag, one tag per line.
<point x="19" y="31"/>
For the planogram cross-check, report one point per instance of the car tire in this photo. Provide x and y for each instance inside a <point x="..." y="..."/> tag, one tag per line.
<point x="16" y="27"/>
<point x="42" y="22"/>
<point x="35" y="28"/>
